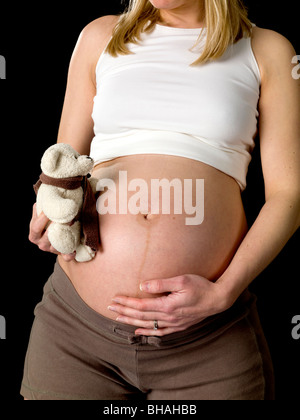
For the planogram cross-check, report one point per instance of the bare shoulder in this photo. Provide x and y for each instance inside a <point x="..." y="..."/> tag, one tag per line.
<point x="100" y="30"/>
<point x="94" y="38"/>
<point x="272" y="50"/>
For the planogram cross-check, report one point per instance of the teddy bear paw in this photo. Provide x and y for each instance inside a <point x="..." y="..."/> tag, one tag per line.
<point x="65" y="239"/>
<point x="84" y="253"/>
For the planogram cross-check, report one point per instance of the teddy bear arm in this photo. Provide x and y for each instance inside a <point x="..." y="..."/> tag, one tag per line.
<point x="57" y="207"/>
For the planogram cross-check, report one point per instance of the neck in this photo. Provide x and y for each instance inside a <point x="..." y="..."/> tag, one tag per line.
<point x="189" y="15"/>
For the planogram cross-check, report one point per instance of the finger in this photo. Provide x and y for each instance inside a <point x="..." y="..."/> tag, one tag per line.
<point x="163" y="329"/>
<point x="39" y="235"/>
<point x="38" y="226"/>
<point x="158" y="304"/>
<point x="35" y="216"/>
<point x="45" y="245"/>
<point x="147" y="325"/>
<point x="34" y="211"/>
<point x="174" y="284"/>
<point x="68" y="257"/>
<point x="150" y="332"/>
<point x="142" y="316"/>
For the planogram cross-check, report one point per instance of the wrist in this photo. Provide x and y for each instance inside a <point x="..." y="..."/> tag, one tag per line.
<point x="231" y="288"/>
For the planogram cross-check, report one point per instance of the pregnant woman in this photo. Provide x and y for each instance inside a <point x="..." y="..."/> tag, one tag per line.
<point x="166" y="99"/>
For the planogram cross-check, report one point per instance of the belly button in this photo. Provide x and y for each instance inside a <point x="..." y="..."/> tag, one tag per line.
<point x="149" y="217"/>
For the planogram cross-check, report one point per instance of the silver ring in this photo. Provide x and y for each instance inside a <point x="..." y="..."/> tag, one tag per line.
<point x="156" y="325"/>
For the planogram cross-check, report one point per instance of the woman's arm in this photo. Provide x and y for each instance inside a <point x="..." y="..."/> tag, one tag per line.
<point x="192" y="298"/>
<point x="76" y="125"/>
<point x="280" y="155"/>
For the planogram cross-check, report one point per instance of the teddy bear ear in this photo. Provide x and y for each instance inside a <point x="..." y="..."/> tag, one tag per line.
<point x="49" y="160"/>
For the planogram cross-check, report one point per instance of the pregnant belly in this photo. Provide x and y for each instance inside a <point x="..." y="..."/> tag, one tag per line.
<point x="160" y="217"/>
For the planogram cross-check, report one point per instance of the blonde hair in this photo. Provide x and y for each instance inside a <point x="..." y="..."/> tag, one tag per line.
<point x="226" y="21"/>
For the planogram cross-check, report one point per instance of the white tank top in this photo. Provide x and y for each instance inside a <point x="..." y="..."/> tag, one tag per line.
<point x="154" y="102"/>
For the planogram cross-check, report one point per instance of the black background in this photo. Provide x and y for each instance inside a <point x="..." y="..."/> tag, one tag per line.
<point x="37" y="40"/>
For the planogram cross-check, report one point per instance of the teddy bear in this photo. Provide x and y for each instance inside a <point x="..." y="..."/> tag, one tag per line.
<point x="67" y="196"/>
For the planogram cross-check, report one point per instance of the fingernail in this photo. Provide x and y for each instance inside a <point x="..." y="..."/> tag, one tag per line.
<point x="120" y="319"/>
<point x="144" y="287"/>
<point x="112" y="308"/>
<point x="116" y="300"/>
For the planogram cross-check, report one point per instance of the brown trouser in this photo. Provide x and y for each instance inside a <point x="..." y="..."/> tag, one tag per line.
<point x="76" y="354"/>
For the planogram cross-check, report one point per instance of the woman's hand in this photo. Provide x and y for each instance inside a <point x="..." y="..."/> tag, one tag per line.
<point x="38" y="234"/>
<point x="190" y="300"/>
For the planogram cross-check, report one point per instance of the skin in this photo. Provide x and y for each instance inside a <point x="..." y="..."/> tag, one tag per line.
<point x="187" y="299"/>
<point x="180" y="13"/>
